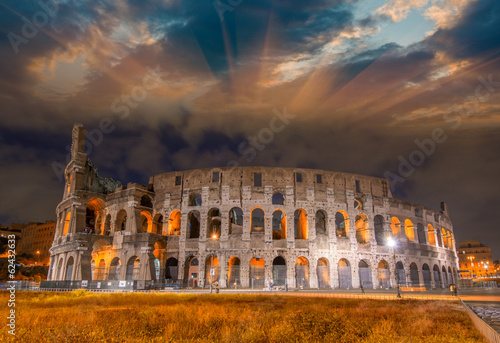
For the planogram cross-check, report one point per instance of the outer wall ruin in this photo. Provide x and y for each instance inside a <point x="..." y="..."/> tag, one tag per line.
<point x="252" y="226"/>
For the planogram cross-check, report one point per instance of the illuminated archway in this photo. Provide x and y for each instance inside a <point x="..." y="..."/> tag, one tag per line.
<point x="279" y="225"/>
<point x="300" y="224"/>
<point x="174" y="223"/>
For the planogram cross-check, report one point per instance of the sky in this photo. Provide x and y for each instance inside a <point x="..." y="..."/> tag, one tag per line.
<point x="405" y="90"/>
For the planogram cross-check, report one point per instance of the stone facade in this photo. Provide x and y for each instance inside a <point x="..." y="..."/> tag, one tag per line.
<point x="251" y="225"/>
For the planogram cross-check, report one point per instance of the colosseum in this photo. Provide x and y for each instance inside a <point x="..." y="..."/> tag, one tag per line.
<point x="245" y="227"/>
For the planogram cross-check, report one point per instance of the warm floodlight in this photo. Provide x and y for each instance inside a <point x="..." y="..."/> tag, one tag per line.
<point x="214" y="236"/>
<point x="391" y="242"/>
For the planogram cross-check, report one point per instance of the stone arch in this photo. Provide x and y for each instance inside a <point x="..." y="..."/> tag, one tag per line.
<point x="431" y="234"/>
<point x="379" y="229"/>
<point x="195" y="199"/>
<point x="445" y="238"/>
<point x="426" y="275"/>
<point x="146" y="222"/>
<point x="158" y="224"/>
<point x="114" y="269"/>
<point x="437" y="276"/>
<point x="235" y="221"/>
<point x="133" y="268"/>
<point x="191" y="271"/>
<point x="278" y="199"/>
<point x="383" y="274"/>
<point x="302" y="272"/>
<point x="279" y="271"/>
<point x="365" y="274"/>
<point x="93" y="215"/>
<point x="107" y="225"/>
<point x="234" y="271"/>
<point x="344" y="271"/>
<point x="159" y="253"/>
<point x="421" y="234"/>
<point x="100" y="272"/>
<point x="409" y="230"/>
<point x="279" y="225"/>
<point x="358" y="204"/>
<point x="400" y="274"/>
<point x="300" y="224"/>
<point x="395" y="227"/>
<point x="174" y="223"/>
<point x="146" y="201"/>
<point x="320" y="221"/>
<point x="258" y="220"/>
<point x="193" y="224"/>
<point x="211" y="264"/>
<point x="214" y="223"/>
<point x="450" y="276"/>
<point x="171" y="270"/>
<point x="121" y="221"/>
<point x="257" y="272"/>
<point x="67" y="221"/>
<point x="323" y="273"/>
<point x="362" y="230"/>
<point x="414" y="278"/>
<point x="341" y="224"/>
<point x="69" y="269"/>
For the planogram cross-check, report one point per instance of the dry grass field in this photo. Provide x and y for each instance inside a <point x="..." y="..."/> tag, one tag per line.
<point x="85" y="317"/>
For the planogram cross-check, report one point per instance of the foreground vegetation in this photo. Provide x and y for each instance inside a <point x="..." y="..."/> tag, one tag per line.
<point x="85" y="317"/>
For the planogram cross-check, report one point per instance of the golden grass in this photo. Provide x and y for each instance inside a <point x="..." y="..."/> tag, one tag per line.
<point x="131" y="317"/>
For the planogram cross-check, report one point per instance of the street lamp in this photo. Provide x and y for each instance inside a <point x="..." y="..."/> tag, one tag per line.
<point x="214" y="237"/>
<point x="37" y="256"/>
<point x="392" y="243"/>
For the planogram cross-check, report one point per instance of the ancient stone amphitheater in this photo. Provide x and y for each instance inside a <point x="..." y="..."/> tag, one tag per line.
<point x="246" y="227"/>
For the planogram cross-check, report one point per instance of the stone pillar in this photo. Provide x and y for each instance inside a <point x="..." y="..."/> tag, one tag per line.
<point x="334" y="275"/>
<point x="223" y="265"/>
<point x="375" y="281"/>
<point x="313" y="275"/>
<point x="420" y="278"/>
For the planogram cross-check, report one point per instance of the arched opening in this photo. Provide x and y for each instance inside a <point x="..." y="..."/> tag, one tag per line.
<point x="302" y="272"/>
<point x="300" y="224"/>
<point x="257" y="224"/>
<point x="278" y="199"/>
<point x="133" y="267"/>
<point x="235" y="221"/>
<point x="362" y="232"/>
<point x="426" y="275"/>
<point x="174" y="223"/>
<point x="158" y="224"/>
<point x="93" y="217"/>
<point x="69" y="269"/>
<point x="279" y="225"/>
<point x="193" y="224"/>
<point x="213" y="224"/>
<point x="383" y="274"/>
<point x="233" y="272"/>
<point x="421" y="234"/>
<point x="445" y="238"/>
<point x="320" y="222"/>
<point x="415" y="281"/>
<point x="107" y="225"/>
<point x="437" y="276"/>
<point x="66" y="223"/>
<point x="431" y="234"/>
<point x="378" y="222"/>
<point x="146" y="201"/>
<point x="191" y="272"/>
<point x="146" y="222"/>
<point x="344" y="269"/>
<point x="395" y="227"/>
<point x="279" y="271"/>
<point x="400" y="274"/>
<point x="100" y="273"/>
<point x="114" y="269"/>
<point x="446" y="281"/>
<point x="439" y="238"/>
<point x="409" y="230"/>
<point x="365" y="274"/>
<point x="171" y="270"/>
<point x="257" y="272"/>
<point x="159" y="254"/>
<point x="212" y="270"/>
<point x="195" y="199"/>
<point x="341" y="224"/>
<point x="121" y="220"/>
<point x="323" y="273"/>
<point x="358" y="204"/>
<point x="450" y="276"/>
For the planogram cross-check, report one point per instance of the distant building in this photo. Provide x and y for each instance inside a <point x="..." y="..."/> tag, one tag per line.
<point x="475" y="260"/>
<point x="6" y="231"/>
<point x="36" y="239"/>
